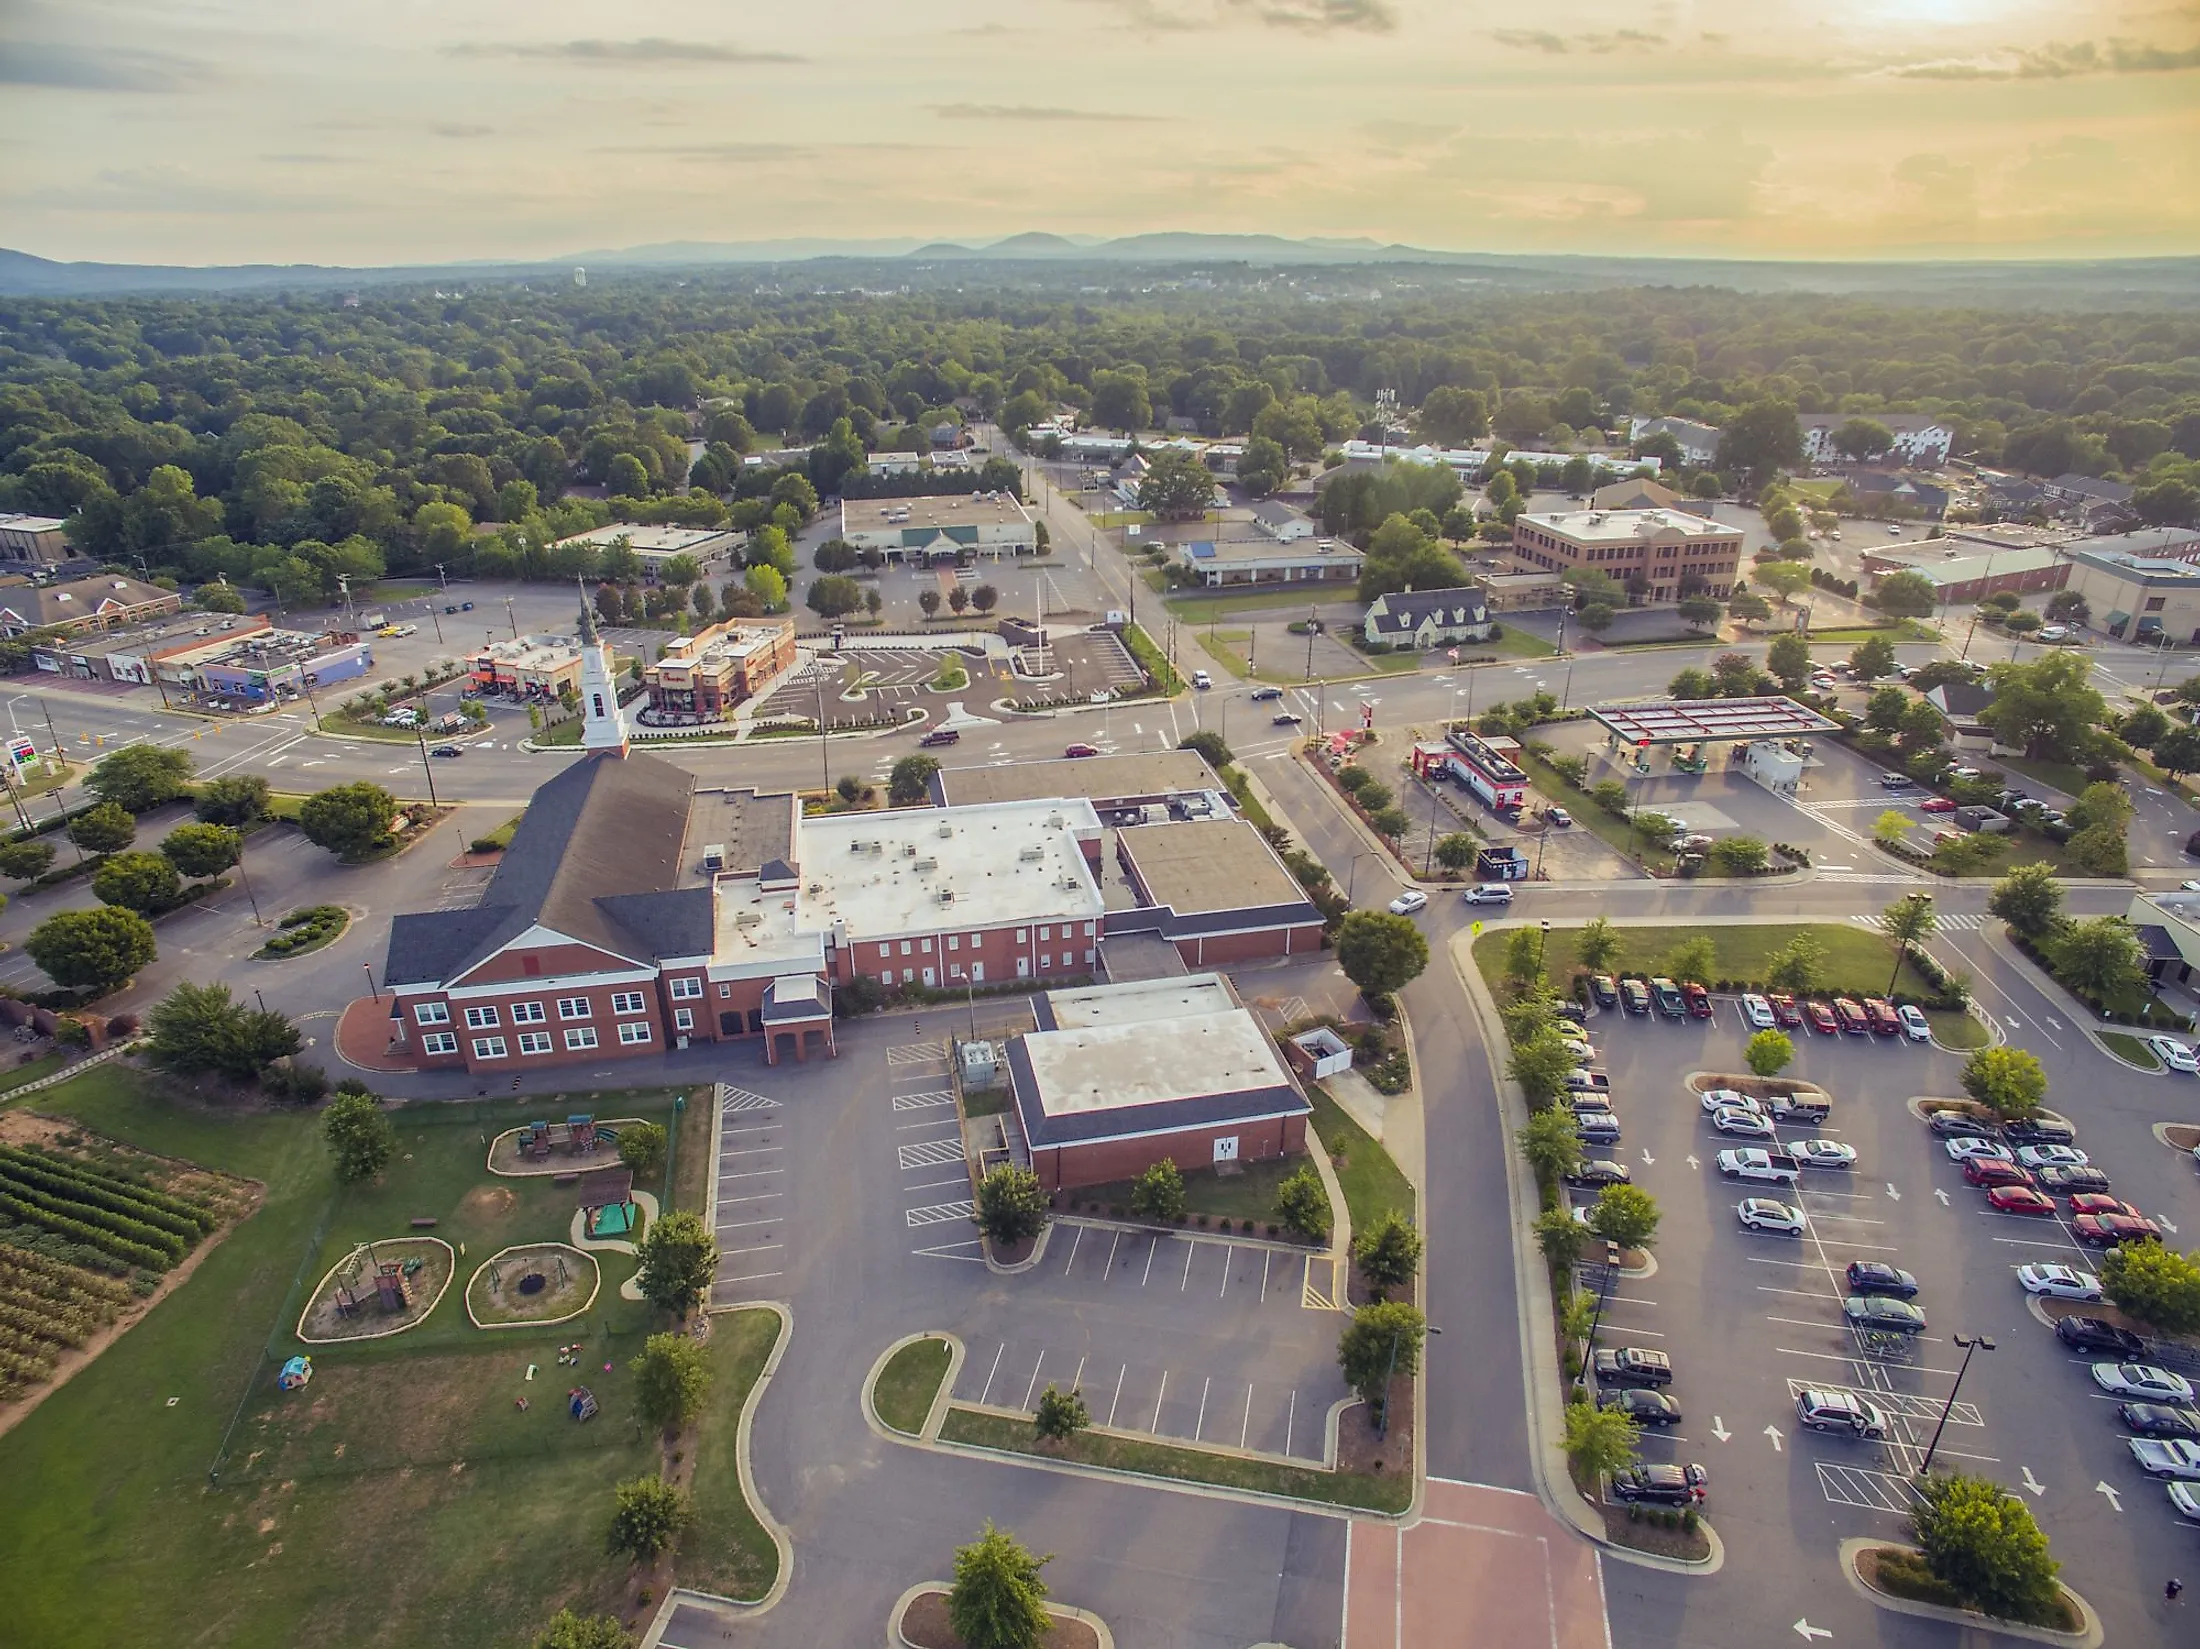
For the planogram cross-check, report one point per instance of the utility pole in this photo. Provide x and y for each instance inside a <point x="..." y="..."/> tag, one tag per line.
<point x="427" y="766"/>
<point x="1310" y="620"/>
<point x="824" y="758"/>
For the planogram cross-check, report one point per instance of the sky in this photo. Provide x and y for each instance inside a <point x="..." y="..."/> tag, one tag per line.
<point x="405" y="131"/>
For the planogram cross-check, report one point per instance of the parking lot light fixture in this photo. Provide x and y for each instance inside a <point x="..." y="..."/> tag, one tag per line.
<point x="1543" y="943"/>
<point x="1969" y="1343"/>
<point x="1382" y="1424"/>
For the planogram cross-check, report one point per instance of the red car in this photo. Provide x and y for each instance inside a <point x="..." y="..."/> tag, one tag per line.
<point x="1784" y="1009"/>
<point x="1082" y="750"/>
<point x="1882" y="1016"/>
<point x="2092" y="1202"/>
<point x="1699" y="1000"/>
<point x="1851" y="1017"/>
<point x="2107" y="1230"/>
<point x="2020" y="1199"/>
<point x="1936" y="804"/>
<point x="1821" y="1019"/>
<point x="1989" y="1172"/>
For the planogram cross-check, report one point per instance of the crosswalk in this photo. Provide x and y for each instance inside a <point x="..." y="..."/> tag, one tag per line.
<point x="1866" y="878"/>
<point x="1947" y="921"/>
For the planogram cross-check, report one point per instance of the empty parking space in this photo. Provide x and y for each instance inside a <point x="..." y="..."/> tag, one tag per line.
<point x="930" y="1164"/>
<point x="753" y="1204"/>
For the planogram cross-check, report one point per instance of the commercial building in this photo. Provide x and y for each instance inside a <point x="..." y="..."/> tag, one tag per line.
<point x="2168" y="930"/>
<point x="529" y="668"/>
<point x="2137" y="597"/>
<point x="105" y="602"/>
<point x="1699" y="443"/>
<point x="1429" y="618"/>
<point x="1119" y="1077"/>
<point x="1468" y="463"/>
<point x="34" y="541"/>
<point x="137" y="653"/>
<point x="704" y="676"/>
<point x="1961" y="571"/>
<point x="1267" y="560"/>
<point x="1113" y="784"/>
<point x="654" y="546"/>
<point x="1215" y="890"/>
<point x="266" y="666"/>
<point x="1639" y="494"/>
<point x="940" y="526"/>
<point x="1281" y="522"/>
<point x="1653" y="552"/>
<point x="1919" y="439"/>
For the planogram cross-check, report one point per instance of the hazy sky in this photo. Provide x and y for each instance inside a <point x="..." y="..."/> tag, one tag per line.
<point x="382" y="131"/>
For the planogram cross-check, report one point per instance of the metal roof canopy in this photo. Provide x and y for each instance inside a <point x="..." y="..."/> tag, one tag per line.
<point x="1688" y="721"/>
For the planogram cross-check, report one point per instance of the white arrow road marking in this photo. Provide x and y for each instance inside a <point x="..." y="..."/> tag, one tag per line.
<point x="1809" y="1631"/>
<point x="1692" y="1161"/>
<point x="1942" y="1195"/>
<point x="1892" y="1194"/>
<point x="2165" y="1225"/>
<point x="1649" y="1161"/>
<point x="2033" y="1484"/>
<point x="2114" y="1499"/>
<point x="1773" y="1432"/>
<point x="1718" y="1428"/>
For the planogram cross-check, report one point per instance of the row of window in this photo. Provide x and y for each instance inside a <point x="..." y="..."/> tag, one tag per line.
<point x="484" y="1018"/>
<point x="577" y="1040"/>
<point x="977" y="969"/>
<point x="954" y="943"/>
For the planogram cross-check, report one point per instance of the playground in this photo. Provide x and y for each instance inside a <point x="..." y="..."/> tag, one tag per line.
<point x="378" y="1289"/>
<point x="532" y="1284"/>
<point x="555" y="1148"/>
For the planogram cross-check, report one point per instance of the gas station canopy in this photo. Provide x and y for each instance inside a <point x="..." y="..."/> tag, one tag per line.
<point x="1695" y="721"/>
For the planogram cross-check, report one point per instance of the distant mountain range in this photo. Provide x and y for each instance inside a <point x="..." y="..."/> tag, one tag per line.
<point x="2111" y="283"/>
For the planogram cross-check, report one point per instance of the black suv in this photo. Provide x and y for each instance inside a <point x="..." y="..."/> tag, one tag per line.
<point x="2066" y="1182"/>
<point x="1645" y="1408"/>
<point x="2039" y="1131"/>
<point x="1957" y="1124"/>
<point x="1660" y="1485"/>
<point x="2092" y="1334"/>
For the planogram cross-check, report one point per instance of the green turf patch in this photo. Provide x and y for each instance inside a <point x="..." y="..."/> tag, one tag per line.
<point x="1857" y="961"/>
<point x="906" y="1386"/>
<point x="1957" y="1030"/>
<point x="727" y="1550"/>
<point x="1210" y="1198"/>
<point x="2129" y="1048"/>
<point x="1372" y="1182"/>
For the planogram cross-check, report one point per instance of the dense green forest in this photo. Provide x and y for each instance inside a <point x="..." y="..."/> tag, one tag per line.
<point x="285" y="441"/>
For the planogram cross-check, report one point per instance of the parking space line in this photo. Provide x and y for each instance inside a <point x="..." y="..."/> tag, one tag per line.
<point x="1151" y="1250"/>
<point x="1189" y="1250"/>
<point x="1113" y="1243"/>
<point x="1077" y="1380"/>
<point x="1224" y="1291"/>
<point x="735" y="1225"/>
<point x="1075" y="1243"/>
<point x="758" y="1196"/>
<point x="1155" y="1428"/>
<point x="1033" y="1385"/>
<point x="1200" y="1424"/>
<point x="1290" y="1419"/>
<point x="1118" y="1398"/>
<point x="991" y="1372"/>
<point x="918" y="1127"/>
<point x="1245" y="1426"/>
<point x="1268" y="1257"/>
<point x="751" y="1151"/>
<point x="754" y="1173"/>
<point x="939" y="1213"/>
<point x="755" y="1128"/>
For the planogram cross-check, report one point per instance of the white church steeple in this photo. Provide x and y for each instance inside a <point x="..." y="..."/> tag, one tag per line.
<point x="603" y="725"/>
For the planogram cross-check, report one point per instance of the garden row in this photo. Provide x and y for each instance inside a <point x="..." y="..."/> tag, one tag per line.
<point x="111" y="1213"/>
<point x="48" y="1307"/>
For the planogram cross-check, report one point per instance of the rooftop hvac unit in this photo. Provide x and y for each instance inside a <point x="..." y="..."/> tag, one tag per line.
<point x="925" y="864"/>
<point x="946" y="830"/>
<point x="909" y="852"/>
<point x="1032" y="855"/>
<point x="979" y="1061"/>
<point x="947" y="895"/>
<point x="1054" y="821"/>
<point x="714" y="856"/>
<point x="747" y="918"/>
<point x="817" y="887"/>
<point x="1069" y="882"/>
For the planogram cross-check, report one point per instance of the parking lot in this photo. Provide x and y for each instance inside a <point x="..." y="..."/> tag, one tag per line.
<point x="1751" y="1319"/>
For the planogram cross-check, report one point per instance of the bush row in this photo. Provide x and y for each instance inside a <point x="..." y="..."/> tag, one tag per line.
<point x="198" y="1213"/>
<point x="142" y="1246"/>
<point x="65" y="1189"/>
<point x="25" y="1272"/>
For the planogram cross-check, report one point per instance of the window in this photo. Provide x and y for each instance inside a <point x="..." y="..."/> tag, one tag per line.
<point x="885" y="951"/>
<point x="534" y="1042"/>
<point x="977" y="941"/>
<point x="905" y="947"/>
<point x="637" y="1031"/>
<point x="683" y="1019"/>
<point x="585" y="1037"/>
<point x="954" y="941"/>
<point x="926" y="945"/>
<point x="725" y="989"/>
<point x="1046" y="959"/>
<point x="686" y="989"/>
<point x="488" y="1047"/>
<point x="1088" y="956"/>
<point x="481" y="1019"/>
<point x="1088" y="935"/>
<point x="527" y="1013"/>
<point x="626" y="1002"/>
<point x="2154" y="603"/>
<point x="432" y="1013"/>
<point x="573" y="1007"/>
<point x="1046" y="933"/>
<point x="1023" y="935"/>
<point x="439" y="1042"/>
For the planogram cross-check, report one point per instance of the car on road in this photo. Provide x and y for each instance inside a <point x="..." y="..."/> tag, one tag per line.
<point x="1634" y="996"/>
<point x="1263" y="695"/>
<point x="448" y="750"/>
<point x="1784" y="1010"/>
<point x="2020" y="1199"/>
<point x="1660" y="1485"/>
<point x="1753" y="1162"/>
<point x="2174" y="1054"/>
<point x="1767" y="1214"/>
<point x="1202" y="680"/>
<point x="1604" y="989"/>
<point x="1644" y="1407"/>
<point x="2096" y="1202"/>
<point x="2143" y="1381"/>
<point x="1936" y="804"/>
<point x="1883" y="1314"/>
<point x="2097" y="1334"/>
<point x="2159" y="1420"/>
<point x="2064" y="1181"/>
<point x="1988" y="1172"/>
<point x="1851" y="1014"/>
<point x="939" y="736"/>
<point x="1914" y="1025"/>
<point x="1878" y="1277"/>
<point x="1732" y="1119"/>
<point x="2052" y="1156"/>
<point x="2059" y="1282"/>
<point x="2184" y="1502"/>
<point x="1668" y="997"/>
<point x="1413" y="899"/>
<point x="1598" y="1172"/>
<point x="1559" y="817"/>
<point x="1821" y="1018"/>
<point x="1488" y="893"/>
<point x="1835" y="1410"/>
<point x="1897" y="781"/>
<point x="1967" y="1146"/>
<point x="1822" y="1153"/>
<point x="1728" y="1099"/>
<point x="1631" y="1366"/>
<point x="2172" y="1457"/>
<point x="1757" y="1011"/>
<point x="1959" y="1119"/>
<point x="1698" y="1000"/>
<point x="1075" y="750"/>
<point x="1285" y="718"/>
<point x="1884" y="1020"/>
<point x="2109" y="1230"/>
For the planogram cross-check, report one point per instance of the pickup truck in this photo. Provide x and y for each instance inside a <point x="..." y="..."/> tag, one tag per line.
<point x="1579" y="1080"/>
<point x="1797" y="1108"/>
<point x="1751" y="1163"/>
<point x="1669" y="999"/>
<point x="1632" y="1366"/>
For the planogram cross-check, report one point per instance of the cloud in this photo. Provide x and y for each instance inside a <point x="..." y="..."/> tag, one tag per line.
<point x="460" y="129"/>
<point x="311" y="160"/>
<point x="1036" y="113"/>
<point x="84" y="69"/>
<point x="1557" y="45"/>
<point x="761" y="153"/>
<point x="1305" y="16"/>
<point x="2056" y="61"/>
<point x="650" y="49"/>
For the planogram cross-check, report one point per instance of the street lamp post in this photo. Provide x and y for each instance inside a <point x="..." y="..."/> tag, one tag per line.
<point x="1353" y="870"/>
<point x="1969" y="1343"/>
<point x="1543" y="943"/>
<point x="371" y="985"/>
<point x="426" y="766"/>
<point x="1382" y="1424"/>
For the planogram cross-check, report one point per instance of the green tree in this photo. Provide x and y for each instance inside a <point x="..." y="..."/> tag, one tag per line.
<point x="1388" y="1252"/>
<point x="1524" y="956"/>
<point x="1176" y="486"/>
<point x="1626" y="1215"/>
<point x="1561" y="1237"/>
<point x="985" y="598"/>
<point x="1539" y="1063"/>
<point x="2177" y="752"/>
<point x="350" y="820"/>
<point x="2045" y="707"/>
<point x="642" y="1148"/>
<point x="1693" y="959"/>
<point x="1158" y="1193"/>
<point x="141" y="777"/>
<point x="1885" y="709"/>
<point x="1906" y="595"/>
<point x="1381" y="1339"/>
<point x="1302" y="1204"/>
<point x="1749" y="607"/>
<point x="570" y="1631"/>
<point x="929" y="600"/>
<point x="1872" y="658"/>
<point x="25" y="861"/>
<point x="1599" y="1442"/>
<point x="646" y="1518"/>
<point x="2029" y="899"/>
<point x="1597" y="946"/>
<point x="671" y="1377"/>
<point x="2101" y="959"/>
<point x="1861" y="439"/>
<point x="1740" y="855"/>
<point x="1060" y="1414"/>
<point x="2155" y="1284"/>
<point x="1597" y="617"/>
<point x="359" y="1136"/>
<point x="1012" y="1209"/>
<point x="1759" y="441"/>
<point x="1909" y="922"/>
<point x="2101" y="804"/>
<point x="1692" y="683"/>
<point x="237" y="799"/>
<point x="1920" y="731"/>
<point x="91" y="950"/>
<point x="1788" y="658"/>
<point x="1735" y="674"/>
<point x="998" y="1600"/>
<point x="199" y="850"/>
<point x="834" y="595"/>
<point x="1456" y="850"/>
<point x="679" y="1258"/>
<point x="105" y="828"/>
<point x="1550" y="1140"/>
<point x="1770" y="1052"/>
<point x="1980" y="1540"/>
<point x="2143" y="727"/>
<point x="909" y="781"/>
<point x="1699" y="612"/>
<point x="1797" y="966"/>
<point x="1891" y="828"/>
<point x="1785" y="579"/>
<point x="144" y="882"/>
<point x="1210" y="746"/>
<point x="2008" y="1081"/>
<point x="1379" y="952"/>
<point x="768" y="585"/>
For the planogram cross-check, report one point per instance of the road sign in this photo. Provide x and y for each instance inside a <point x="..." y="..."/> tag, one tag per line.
<point x="22" y="754"/>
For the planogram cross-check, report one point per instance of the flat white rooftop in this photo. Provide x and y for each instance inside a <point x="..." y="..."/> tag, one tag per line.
<point x="1627" y="526"/>
<point x="934" y="870"/>
<point x="653" y="540"/>
<point x="955" y="509"/>
<point x="755" y="933"/>
<point x="1117" y="1067"/>
<point x="1140" y="1001"/>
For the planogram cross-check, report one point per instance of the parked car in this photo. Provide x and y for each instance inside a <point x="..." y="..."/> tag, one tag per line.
<point x="1757" y="1011"/>
<point x="1075" y="750"/>
<point x="2185" y="1502"/>
<point x="1882" y="1314"/>
<point x="1878" y="1277"/>
<point x="2159" y="1420"/>
<point x="1660" y="1485"/>
<point x="2058" y="1282"/>
<point x="1784" y="1010"/>
<point x="1822" y="1019"/>
<point x="1767" y="1214"/>
<point x="1755" y="1163"/>
<point x="1835" y="1410"/>
<point x="1988" y="1172"/>
<point x="2020" y="1199"/>
<point x="2064" y="1181"/>
<point x="2173" y="1053"/>
<point x="1728" y="1099"/>
<point x="1596" y="1127"/>
<point x="1582" y="1080"/>
<point x="1597" y="1172"/>
<point x="1668" y="997"/>
<point x="1914" y="1025"/>
<point x="2052" y="1156"/>
<point x="2110" y="1230"/>
<point x="2142" y="1380"/>
<point x="1408" y="902"/>
<point x="1880" y="1012"/>
<point x="1641" y="1405"/>
<point x="1488" y="893"/>
<point x="2098" y="1334"/>
<point x="1741" y="1124"/>
<point x="1604" y="989"/>
<point x="1852" y="1016"/>
<point x="939" y="736"/>
<point x="1698" y="1000"/>
<point x="1798" y="1108"/>
<point x="1632" y="1366"/>
<point x="1958" y="1120"/>
<point x="2098" y="1202"/>
<point x="1823" y="1153"/>
<point x="1965" y="1147"/>
<point x="1634" y="996"/>
<point x="2042" y="1129"/>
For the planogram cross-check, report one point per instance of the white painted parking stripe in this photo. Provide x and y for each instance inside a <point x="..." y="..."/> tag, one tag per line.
<point x="940" y="1213"/>
<point x="923" y="1101"/>
<point x="930" y="1153"/>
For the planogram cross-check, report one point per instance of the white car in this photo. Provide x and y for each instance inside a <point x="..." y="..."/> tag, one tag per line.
<point x="1582" y="1052"/>
<point x="1488" y="893"/>
<point x="2051" y="1156"/>
<point x="2177" y="1457"/>
<point x="1732" y="1119"/>
<point x="2185" y="1502"/>
<point x="2174" y="1054"/>
<point x="2059" y="1282"/>
<point x="1413" y="899"/>
<point x="1202" y="680"/>
<point x="1764" y="1214"/>
<point x="1726" y="1099"/>
<point x="1758" y="1012"/>
<point x="2143" y="1381"/>
<point x="1968" y="1146"/>
<point x="1822" y="1153"/>
<point x="1913" y="1022"/>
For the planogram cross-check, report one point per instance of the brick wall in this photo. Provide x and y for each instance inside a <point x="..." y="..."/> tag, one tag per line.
<point x="1105" y="1160"/>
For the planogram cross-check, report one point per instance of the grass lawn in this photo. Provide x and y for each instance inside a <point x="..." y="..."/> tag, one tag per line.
<point x="1514" y="642"/>
<point x="1857" y="960"/>
<point x="2067" y="777"/>
<point x="1371" y="1181"/>
<point x="1368" y="1491"/>
<point x="726" y="1550"/>
<point x="403" y="1498"/>
<point x="1191" y="609"/>
<point x="1247" y="1195"/>
<point x="1228" y="648"/>
<point x="1956" y="1030"/>
<point x="908" y="1383"/>
<point x="44" y="1065"/>
<point x="2126" y="1046"/>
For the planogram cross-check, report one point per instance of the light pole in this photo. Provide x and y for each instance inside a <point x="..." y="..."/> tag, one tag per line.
<point x="1543" y="943"/>
<point x="1969" y="1343"/>
<point x="1353" y="870"/>
<point x="1382" y="1425"/>
<point x="245" y="876"/>
<point x="426" y="766"/>
<point x="371" y="985"/>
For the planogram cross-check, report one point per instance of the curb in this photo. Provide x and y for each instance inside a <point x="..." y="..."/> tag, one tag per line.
<point x="936" y="1415"/>
<point x="895" y="1640"/>
<point x="2087" y="1637"/>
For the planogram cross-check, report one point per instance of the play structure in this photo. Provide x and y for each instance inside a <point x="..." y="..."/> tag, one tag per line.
<point x="576" y="1136"/>
<point x="365" y="1276"/>
<point x="580" y="1403"/>
<point x="295" y="1374"/>
<point x="531" y="1285"/>
<point x="378" y="1288"/>
<point x="608" y="1208"/>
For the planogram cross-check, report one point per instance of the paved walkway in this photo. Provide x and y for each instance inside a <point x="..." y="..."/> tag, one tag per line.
<point x="1480" y="1565"/>
<point x="363" y="1037"/>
